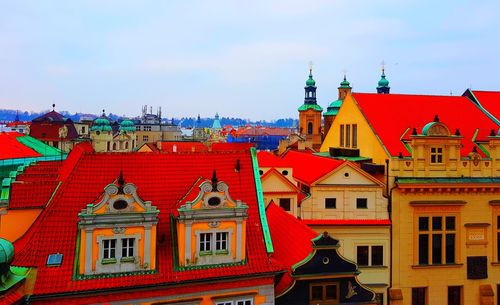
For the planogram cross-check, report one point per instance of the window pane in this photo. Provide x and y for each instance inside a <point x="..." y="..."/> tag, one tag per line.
<point x="347" y="135"/>
<point x="317" y="293"/>
<point x="450" y="248"/>
<point x="450" y="223"/>
<point x="341" y="135"/>
<point x="361" y="203"/>
<point x="377" y="255"/>
<point x="423" y="249"/>
<point x="354" y="135"/>
<point x="330" y="203"/>
<point x="437" y="223"/>
<point x="331" y="292"/>
<point x="437" y="249"/>
<point x="418" y="296"/>
<point x="362" y="255"/>
<point x="423" y="223"/>
<point x="285" y="204"/>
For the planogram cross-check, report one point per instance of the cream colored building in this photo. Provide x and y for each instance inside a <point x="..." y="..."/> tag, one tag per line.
<point x="104" y="139"/>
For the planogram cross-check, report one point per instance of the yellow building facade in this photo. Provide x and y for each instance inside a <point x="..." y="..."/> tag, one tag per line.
<point x="446" y="221"/>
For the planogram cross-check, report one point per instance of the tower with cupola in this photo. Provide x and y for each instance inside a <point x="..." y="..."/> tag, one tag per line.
<point x="383" y="83"/>
<point x="332" y="110"/>
<point x="310" y="113"/>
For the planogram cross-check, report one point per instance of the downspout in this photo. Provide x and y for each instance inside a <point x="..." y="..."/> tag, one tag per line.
<point x="389" y="211"/>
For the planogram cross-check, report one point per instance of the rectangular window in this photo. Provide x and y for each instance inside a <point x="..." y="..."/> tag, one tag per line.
<point x="237" y="302"/>
<point x="361" y="203"/>
<point x="419" y="296"/>
<point x="498" y="238"/>
<point x="370" y="255"/>
<point x="342" y="135"/>
<point x="454" y="295"/>
<point x="354" y="135"/>
<point x="285" y="204"/>
<point x="379" y="298"/>
<point x="436" y="243"/>
<point x="323" y="294"/>
<point x="436" y="155"/>
<point x="330" y="203"/>
<point x="128" y="247"/>
<point x="347" y="135"/>
<point x="221" y="241"/>
<point x="362" y="255"/>
<point x="109" y="248"/>
<point x="205" y="242"/>
<point x="145" y="138"/>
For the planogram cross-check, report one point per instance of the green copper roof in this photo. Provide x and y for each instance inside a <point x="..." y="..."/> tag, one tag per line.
<point x="39" y="146"/>
<point x="216" y="124"/>
<point x="310" y="81"/>
<point x="6" y="251"/>
<point x="315" y="107"/>
<point x="333" y="108"/>
<point x="426" y="128"/>
<point x="101" y="124"/>
<point x="345" y="83"/>
<point x="127" y="125"/>
<point x="383" y="82"/>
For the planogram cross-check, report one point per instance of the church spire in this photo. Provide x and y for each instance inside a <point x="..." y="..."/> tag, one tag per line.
<point x="383" y="83"/>
<point x="310" y="89"/>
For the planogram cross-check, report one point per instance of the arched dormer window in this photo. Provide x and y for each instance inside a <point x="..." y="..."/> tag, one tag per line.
<point x="116" y="232"/>
<point x="210" y="229"/>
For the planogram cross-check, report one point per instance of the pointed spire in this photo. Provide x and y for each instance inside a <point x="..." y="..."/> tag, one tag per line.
<point x="103" y="113"/>
<point x="214" y="181"/>
<point x="121" y="182"/>
<point x="383" y="83"/>
<point x="53" y="107"/>
<point x="436" y="118"/>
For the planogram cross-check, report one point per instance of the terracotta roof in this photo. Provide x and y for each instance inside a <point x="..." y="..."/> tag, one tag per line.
<point x="490" y="101"/>
<point x="182" y="146"/>
<point x="11" y="147"/>
<point x="308" y="168"/>
<point x="268" y="159"/>
<point x="346" y="222"/>
<point x="10" y="297"/>
<point x="161" y="178"/>
<point x="391" y="114"/>
<point x="291" y="239"/>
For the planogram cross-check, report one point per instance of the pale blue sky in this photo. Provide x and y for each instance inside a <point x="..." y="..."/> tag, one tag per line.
<point x="244" y="59"/>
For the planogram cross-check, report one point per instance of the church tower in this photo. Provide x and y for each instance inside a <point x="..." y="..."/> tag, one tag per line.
<point x="332" y="110"/>
<point x="383" y="83"/>
<point x="310" y="113"/>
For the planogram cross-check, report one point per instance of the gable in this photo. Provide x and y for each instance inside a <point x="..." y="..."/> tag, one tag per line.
<point x="348" y="175"/>
<point x="275" y="182"/>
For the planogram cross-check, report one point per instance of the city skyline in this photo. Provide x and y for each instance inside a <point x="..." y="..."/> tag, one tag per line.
<point x="247" y="60"/>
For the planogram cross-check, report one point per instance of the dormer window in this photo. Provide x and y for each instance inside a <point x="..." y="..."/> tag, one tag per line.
<point x="210" y="229"/>
<point x="436" y="155"/>
<point x="117" y="232"/>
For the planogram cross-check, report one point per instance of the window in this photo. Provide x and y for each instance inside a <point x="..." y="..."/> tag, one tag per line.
<point x="454" y="295"/>
<point x="205" y="242"/>
<point x="498" y="238"/>
<point x="330" y="203"/>
<point x="285" y="204"/>
<point x="361" y="203"/>
<point x="145" y="138"/>
<point x="221" y="241"/>
<point x="436" y="155"/>
<point x="379" y="298"/>
<point x="128" y="247"/>
<point x="348" y="135"/>
<point x="354" y="135"/>
<point x="370" y="255"/>
<point x="436" y="240"/>
<point x="107" y="146"/>
<point x="324" y="294"/>
<point x="114" y="146"/>
<point x="109" y="247"/>
<point x="341" y="135"/>
<point x="419" y="296"/>
<point x="309" y="128"/>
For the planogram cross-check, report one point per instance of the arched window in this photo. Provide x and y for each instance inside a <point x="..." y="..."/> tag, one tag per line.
<point x="114" y="146"/>
<point x="309" y="128"/>
<point x="126" y="145"/>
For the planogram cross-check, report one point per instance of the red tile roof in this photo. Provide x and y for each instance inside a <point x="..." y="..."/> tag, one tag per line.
<point x="11" y="148"/>
<point x="161" y="178"/>
<point x="10" y="297"/>
<point x="182" y="146"/>
<point x="347" y="222"/>
<point x="49" y="131"/>
<point x="391" y="114"/>
<point x="490" y="101"/>
<point x="291" y="240"/>
<point x="268" y="159"/>
<point x="308" y="168"/>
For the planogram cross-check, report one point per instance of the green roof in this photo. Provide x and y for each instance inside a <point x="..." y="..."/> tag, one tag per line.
<point x="383" y="82"/>
<point x="6" y="251"/>
<point x="216" y="124"/>
<point x="39" y="146"/>
<point x="101" y="124"/>
<point x="127" y="125"/>
<point x="333" y="108"/>
<point x="310" y="81"/>
<point x="345" y="83"/>
<point x="315" y="107"/>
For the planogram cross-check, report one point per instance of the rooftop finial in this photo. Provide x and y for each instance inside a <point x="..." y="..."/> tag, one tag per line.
<point x="121" y="182"/>
<point x="103" y="112"/>
<point x="310" y="68"/>
<point x="436" y="118"/>
<point x="383" y="67"/>
<point x="214" y="181"/>
<point x="53" y="107"/>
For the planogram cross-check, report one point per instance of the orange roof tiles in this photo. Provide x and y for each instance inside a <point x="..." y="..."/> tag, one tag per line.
<point x="11" y="148"/>
<point x="308" y="168"/>
<point x="391" y="114"/>
<point x="490" y="101"/>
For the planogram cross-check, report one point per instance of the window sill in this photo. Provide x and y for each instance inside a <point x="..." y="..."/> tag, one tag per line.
<point x="222" y="252"/>
<point x="205" y="253"/>
<point x="107" y="261"/>
<point x="373" y="267"/>
<point x="495" y="263"/>
<point x="457" y="265"/>
<point x="127" y="259"/>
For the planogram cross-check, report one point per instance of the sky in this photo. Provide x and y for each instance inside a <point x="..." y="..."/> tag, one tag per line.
<point x="246" y="59"/>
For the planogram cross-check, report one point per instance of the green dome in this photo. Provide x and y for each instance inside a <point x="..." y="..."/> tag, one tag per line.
<point x="310" y="81"/>
<point x="101" y="124"/>
<point x="383" y="82"/>
<point x="333" y="108"/>
<point x="345" y="83"/>
<point x="127" y="125"/>
<point x="6" y="251"/>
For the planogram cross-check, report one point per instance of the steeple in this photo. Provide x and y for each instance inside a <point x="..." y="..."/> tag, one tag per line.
<point x="310" y="89"/>
<point x="383" y="83"/>
<point x="345" y="88"/>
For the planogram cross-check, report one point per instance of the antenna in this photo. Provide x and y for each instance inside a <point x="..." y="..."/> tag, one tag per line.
<point x="310" y="67"/>
<point x="382" y="63"/>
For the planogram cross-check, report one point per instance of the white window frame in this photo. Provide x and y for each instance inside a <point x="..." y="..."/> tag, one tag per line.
<point x="107" y="248"/>
<point x="127" y="247"/>
<point x="206" y="243"/>
<point x="223" y="240"/>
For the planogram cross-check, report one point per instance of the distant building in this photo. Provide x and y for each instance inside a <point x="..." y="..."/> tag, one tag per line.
<point x="106" y="139"/>
<point x="310" y="114"/>
<point x="150" y="128"/>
